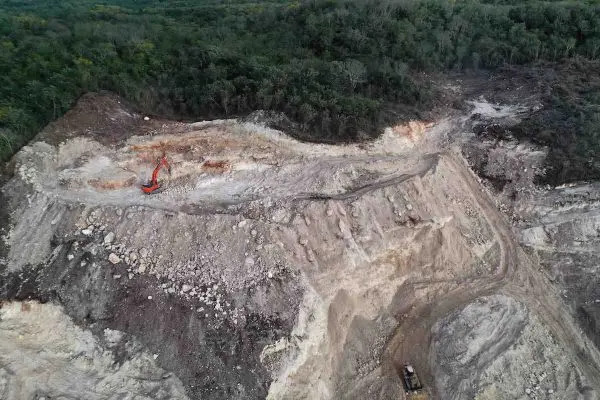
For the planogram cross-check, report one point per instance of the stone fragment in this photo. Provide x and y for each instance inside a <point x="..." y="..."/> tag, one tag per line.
<point x="108" y="239"/>
<point x="113" y="258"/>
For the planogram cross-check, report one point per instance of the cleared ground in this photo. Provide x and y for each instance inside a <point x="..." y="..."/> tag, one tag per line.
<point x="272" y="268"/>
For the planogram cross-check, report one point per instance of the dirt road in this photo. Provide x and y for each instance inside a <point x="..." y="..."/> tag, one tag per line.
<point x="515" y="275"/>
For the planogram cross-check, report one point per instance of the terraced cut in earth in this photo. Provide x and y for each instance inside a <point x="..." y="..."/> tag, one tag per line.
<point x="271" y="268"/>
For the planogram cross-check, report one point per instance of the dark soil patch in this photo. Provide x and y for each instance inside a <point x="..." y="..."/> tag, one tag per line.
<point x="105" y="117"/>
<point x="568" y="124"/>
<point x="214" y="358"/>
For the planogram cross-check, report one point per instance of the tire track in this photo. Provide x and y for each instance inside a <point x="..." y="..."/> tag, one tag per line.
<point x="515" y="276"/>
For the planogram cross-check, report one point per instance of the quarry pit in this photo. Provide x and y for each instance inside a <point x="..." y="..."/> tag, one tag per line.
<point x="271" y="268"/>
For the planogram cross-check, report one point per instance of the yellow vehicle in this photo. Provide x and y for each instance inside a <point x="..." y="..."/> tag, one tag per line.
<point x="412" y="384"/>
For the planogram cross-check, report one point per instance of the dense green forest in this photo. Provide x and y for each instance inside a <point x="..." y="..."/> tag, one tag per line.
<point x="339" y="69"/>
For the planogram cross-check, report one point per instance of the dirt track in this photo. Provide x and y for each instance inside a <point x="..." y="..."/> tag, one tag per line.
<point x="354" y="193"/>
<point x="515" y="276"/>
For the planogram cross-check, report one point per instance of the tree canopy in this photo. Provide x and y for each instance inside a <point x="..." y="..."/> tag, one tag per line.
<point x="334" y="67"/>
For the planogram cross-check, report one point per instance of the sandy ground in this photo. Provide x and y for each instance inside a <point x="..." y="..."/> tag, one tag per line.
<point x="271" y="268"/>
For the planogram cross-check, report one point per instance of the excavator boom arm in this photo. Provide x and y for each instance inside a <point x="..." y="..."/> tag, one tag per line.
<point x="163" y="162"/>
<point x="153" y="185"/>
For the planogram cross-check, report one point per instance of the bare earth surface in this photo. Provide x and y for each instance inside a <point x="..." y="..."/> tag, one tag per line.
<point x="271" y="268"/>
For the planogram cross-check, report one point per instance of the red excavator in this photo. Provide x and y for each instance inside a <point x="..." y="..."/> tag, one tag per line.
<point x="153" y="186"/>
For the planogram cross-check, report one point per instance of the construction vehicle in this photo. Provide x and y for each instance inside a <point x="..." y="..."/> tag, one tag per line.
<point x="412" y="384"/>
<point x="153" y="185"/>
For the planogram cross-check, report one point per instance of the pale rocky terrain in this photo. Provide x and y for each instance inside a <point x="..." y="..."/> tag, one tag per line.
<point x="55" y="358"/>
<point x="272" y="268"/>
<point x="505" y="353"/>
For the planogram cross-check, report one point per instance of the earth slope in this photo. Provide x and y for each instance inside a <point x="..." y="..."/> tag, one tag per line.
<point x="267" y="267"/>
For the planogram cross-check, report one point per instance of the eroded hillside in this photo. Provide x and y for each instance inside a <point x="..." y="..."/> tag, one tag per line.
<point x="268" y="267"/>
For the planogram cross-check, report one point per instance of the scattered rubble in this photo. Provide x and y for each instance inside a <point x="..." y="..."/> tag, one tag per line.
<point x="273" y="268"/>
